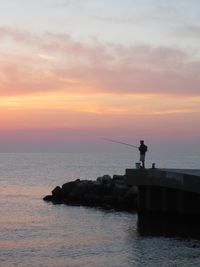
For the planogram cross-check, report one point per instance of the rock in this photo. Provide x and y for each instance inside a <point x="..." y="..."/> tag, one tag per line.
<point x="67" y="188"/>
<point x="109" y="200"/>
<point x="133" y="190"/>
<point x="105" y="192"/>
<point x="120" y="182"/>
<point x="118" y="177"/>
<point x="82" y="188"/>
<point x="93" y="199"/>
<point x="120" y="190"/>
<point x="48" y="198"/>
<point x="57" y="192"/>
<point x="97" y="188"/>
<point x="104" y="179"/>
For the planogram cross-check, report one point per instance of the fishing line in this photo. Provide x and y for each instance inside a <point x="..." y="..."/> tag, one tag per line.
<point x="119" y="142"/>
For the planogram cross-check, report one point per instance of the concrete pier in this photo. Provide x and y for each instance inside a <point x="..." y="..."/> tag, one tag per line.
<point x="166" y="191"/>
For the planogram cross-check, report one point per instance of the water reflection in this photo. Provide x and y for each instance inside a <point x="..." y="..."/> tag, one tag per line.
<point x="168" y="226"/>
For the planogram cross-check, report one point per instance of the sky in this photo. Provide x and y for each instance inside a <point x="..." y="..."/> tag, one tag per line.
<point x="73" y="71"/>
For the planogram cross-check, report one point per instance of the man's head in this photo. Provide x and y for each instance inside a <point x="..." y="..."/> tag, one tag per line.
<point x="141" y="142"/>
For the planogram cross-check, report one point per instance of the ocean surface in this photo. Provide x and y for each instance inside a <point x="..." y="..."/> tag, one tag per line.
<point x="39" y="234"/>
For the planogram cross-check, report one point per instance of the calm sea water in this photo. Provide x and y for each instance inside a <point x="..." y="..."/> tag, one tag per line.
<point x="37" y="233"/>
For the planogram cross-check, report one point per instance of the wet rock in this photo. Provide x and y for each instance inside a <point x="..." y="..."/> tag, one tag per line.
<point x="48" y="198"/>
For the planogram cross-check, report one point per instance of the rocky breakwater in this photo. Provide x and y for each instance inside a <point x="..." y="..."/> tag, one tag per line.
<point x="106" y="192"/>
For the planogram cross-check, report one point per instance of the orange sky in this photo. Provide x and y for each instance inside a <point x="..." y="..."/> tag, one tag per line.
<point x="87" y="85"/>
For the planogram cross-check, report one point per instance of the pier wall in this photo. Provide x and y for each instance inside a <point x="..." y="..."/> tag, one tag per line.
<point x="166" y="192"/>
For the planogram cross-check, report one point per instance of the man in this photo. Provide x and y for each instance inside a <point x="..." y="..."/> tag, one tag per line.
<point x="143" y="149"/>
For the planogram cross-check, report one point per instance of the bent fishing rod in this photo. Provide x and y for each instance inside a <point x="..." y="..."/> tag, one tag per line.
<point x="122" y="143"/>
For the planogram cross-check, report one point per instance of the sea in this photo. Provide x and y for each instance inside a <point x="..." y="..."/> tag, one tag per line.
<point x="35" y="233"/>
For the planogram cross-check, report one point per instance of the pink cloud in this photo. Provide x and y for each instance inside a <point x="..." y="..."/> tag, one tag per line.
<point x="17" y="35"/>
<point x="96" y="67"/>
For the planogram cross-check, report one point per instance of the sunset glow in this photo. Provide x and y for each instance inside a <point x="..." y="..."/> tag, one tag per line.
<point x="93" y="68"/>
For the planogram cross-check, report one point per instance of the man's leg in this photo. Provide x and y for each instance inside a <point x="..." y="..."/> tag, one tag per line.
<point x="143" y="164"/>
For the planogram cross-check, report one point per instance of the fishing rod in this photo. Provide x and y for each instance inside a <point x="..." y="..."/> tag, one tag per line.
<point x="122" y="143"/>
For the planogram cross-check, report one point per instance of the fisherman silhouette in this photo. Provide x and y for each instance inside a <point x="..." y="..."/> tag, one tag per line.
<point x="143" y="149"/>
